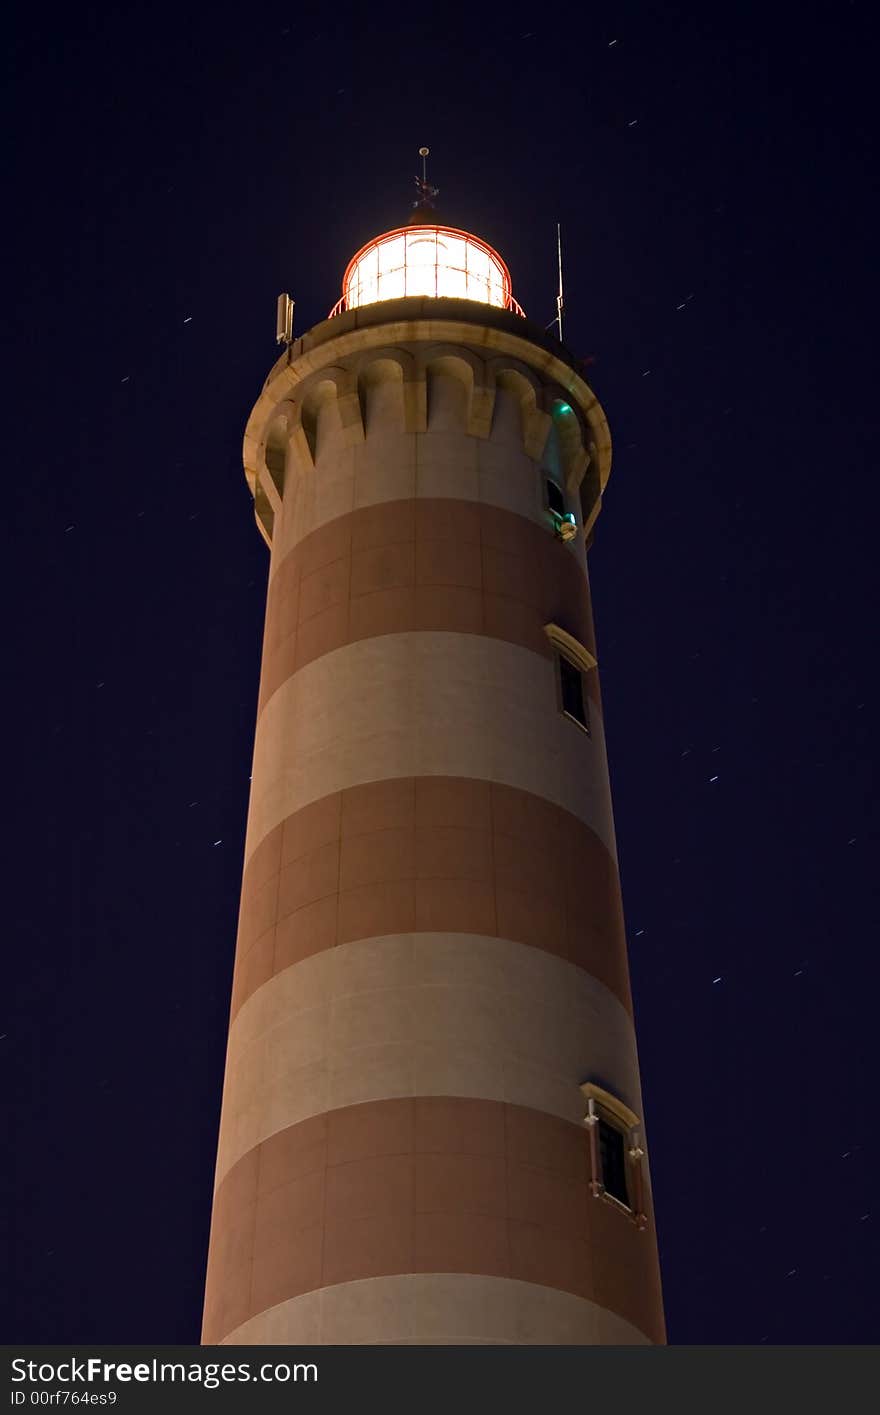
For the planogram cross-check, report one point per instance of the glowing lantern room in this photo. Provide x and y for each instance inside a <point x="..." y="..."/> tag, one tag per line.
<point x="436" y="261"/>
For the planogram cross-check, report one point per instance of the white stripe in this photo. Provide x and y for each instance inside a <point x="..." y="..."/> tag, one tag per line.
<point x="437" y="1308"/>
<point x="424" y="704"/>
<point x="422" y="1014"/>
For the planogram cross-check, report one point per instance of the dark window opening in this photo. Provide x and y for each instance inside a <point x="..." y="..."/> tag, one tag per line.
<point x="555" y="498"/>
<point x="612" y="1152"/>
<point x="572" y="686"/>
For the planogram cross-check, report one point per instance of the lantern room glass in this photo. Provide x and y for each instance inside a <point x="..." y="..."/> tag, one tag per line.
<point x="427" y="260"/>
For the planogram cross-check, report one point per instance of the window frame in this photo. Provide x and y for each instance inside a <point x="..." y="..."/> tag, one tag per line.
<point x="613" y="1129"/>
<point x="566" y="518"/>
<point x="548" y="482"/>
<point x="602" y="1106"/>
<point x="566" y="646"/>
<point x="582" y="723"/>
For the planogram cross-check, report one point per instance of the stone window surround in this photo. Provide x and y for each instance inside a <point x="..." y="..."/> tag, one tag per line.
<point x="568" y="647"/>
<point x="602" y="1105"/>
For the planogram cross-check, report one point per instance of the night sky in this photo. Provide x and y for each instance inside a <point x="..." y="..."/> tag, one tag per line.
<point x="171" y="171"/>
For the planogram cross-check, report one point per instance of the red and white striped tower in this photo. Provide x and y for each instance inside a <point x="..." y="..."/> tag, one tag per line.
<point x="431" y="1127"/>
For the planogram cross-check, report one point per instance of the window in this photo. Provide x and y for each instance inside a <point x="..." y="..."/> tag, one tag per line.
<point x="555" y="498"/>
<point x="571" y="691"/>
<point x="615" y="1155"/>
<point x="572" y="662"/>
<point x="564" y="522"/>
<point x="612" y="1158"/>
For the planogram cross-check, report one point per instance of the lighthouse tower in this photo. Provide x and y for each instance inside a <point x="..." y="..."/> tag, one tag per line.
<point x="432" y="1127"/>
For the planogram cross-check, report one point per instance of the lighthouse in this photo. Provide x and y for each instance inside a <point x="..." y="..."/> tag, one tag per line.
<point x="432" y="1127"/>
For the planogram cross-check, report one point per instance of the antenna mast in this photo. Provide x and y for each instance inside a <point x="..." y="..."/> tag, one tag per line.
<point x="559" y="302"/>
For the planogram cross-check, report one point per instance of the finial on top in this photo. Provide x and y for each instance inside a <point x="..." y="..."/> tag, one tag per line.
<point x="426" y="194"/>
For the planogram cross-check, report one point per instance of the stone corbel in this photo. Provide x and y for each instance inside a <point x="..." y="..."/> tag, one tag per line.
<point x="515" y="376"/>
<point x="536" y="430"/>
<point x="415" y="405"/>
<point x="576" y="471"/>
<point x="481" y="410"/>
<point x="299" y="442"/>
<point x="348" y="403"/>
<point x="270" y="491"/>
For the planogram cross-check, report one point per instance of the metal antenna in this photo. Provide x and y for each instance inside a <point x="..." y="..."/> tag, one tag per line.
<point x="284" y="319"/>
<point x="559" y="302"/>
